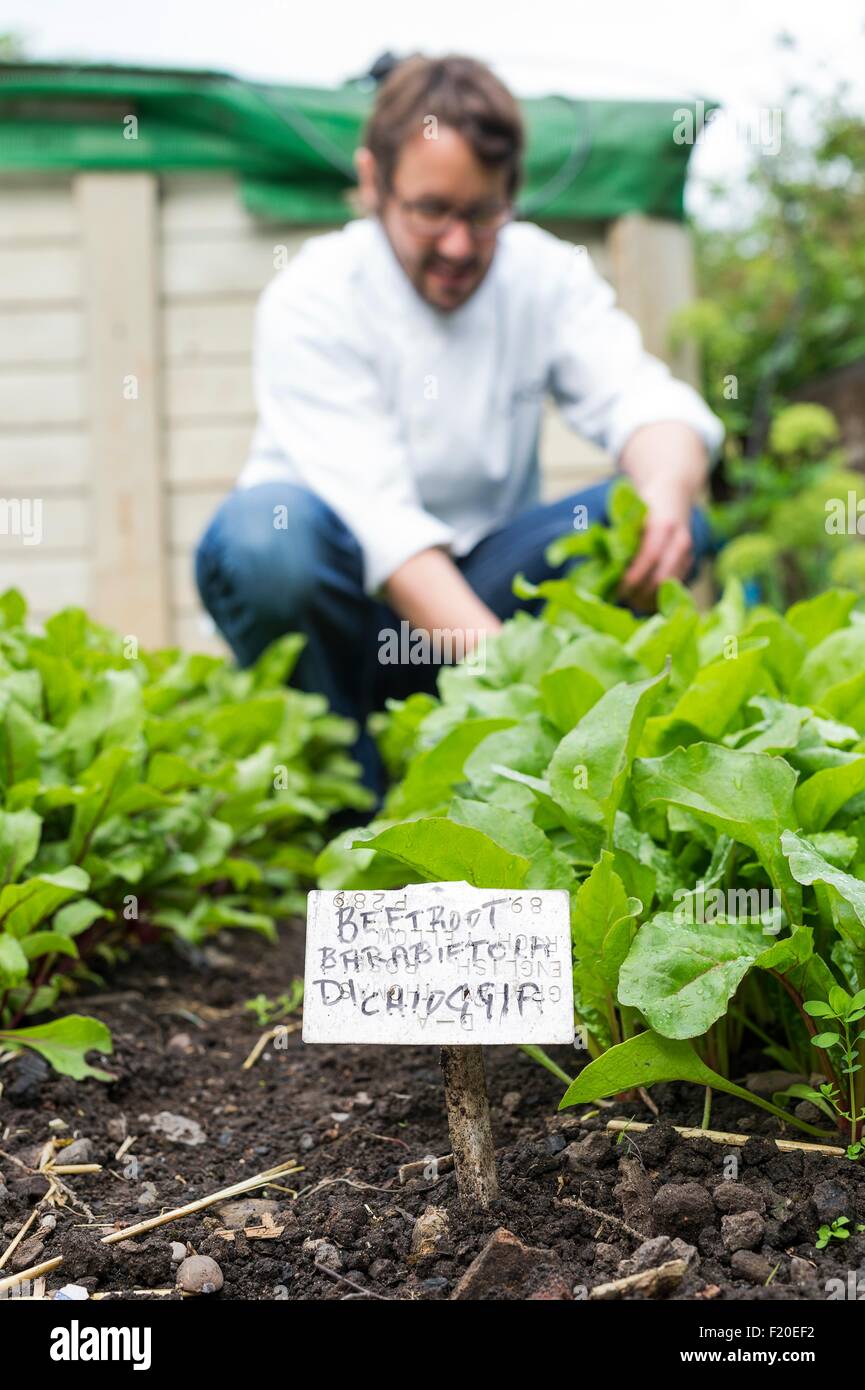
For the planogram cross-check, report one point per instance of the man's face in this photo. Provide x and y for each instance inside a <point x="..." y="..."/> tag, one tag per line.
<point x="441" y="254"/>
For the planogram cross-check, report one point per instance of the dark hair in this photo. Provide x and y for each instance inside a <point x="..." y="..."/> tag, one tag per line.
<point x="459" y="92"/>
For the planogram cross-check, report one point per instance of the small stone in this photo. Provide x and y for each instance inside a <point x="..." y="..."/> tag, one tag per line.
<point x="747" y="1264"/>
<point x="765" y="1083"/>
<point x="435" y="1284"/>
<point x="429" y="1231"/>
<point x="74" y="1293"/>
<point x="30" y="1188"/>
<point x="731" y="1197"/>
<point x="682" y="1206"/>
<point x="28" y="1253"/>
<point x="806" y="1110"/>
<point x="79" y="1151"/>
<point x="199" y="1274"/>
<point x="657" y="1252"/>
<point x="247" y="1211"/>
<point x="57" y="1123"/>
<point x="224" y="1139"/>
<point x="363" y="1100"/>
<point x="831" y="1199"/>
<point x="147" y="1197"/>
<point x="177" y="1129"/>
<point x="29" y="1073"/>
<point x="339" y="1117"/>
<point x="118" y="1129"/>
<point x="178" y="1252"/>
<point x="554" y="1143"/>
<point x="593" y="1152"/>
<point x="506" y="1269"/>
<point x="48" y="1222"/>
<point x="511" y="1101"/>
<point x="744" y="1230"/>
<point x="323" y="1252"/>
<point x="181" y="1043"/>
<point x="307" y="1142"/>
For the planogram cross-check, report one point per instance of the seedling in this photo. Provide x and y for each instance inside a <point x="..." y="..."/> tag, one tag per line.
<point x="270" y="1011"/>
<point x="836" y="1231"/>
<point x="841" y="1045"/>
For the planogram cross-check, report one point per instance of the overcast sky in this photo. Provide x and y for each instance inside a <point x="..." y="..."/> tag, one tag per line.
<point x="629" y="48"/>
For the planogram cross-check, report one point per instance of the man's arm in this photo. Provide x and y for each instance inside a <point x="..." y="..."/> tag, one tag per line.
<point x="430" y="592"/>
<point x="668" y="464"/>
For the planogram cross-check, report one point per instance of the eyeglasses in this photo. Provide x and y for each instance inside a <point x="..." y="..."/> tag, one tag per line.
<point x="429" y="218"/>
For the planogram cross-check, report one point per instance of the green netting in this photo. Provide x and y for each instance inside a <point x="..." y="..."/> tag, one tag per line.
<point x="291" y="147"/>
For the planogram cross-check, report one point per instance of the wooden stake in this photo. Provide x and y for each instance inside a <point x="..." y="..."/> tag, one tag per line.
<point x="471" y="1134"/>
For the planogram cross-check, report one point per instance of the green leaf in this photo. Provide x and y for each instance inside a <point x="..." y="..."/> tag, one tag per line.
<point x="819" y="799"/>
<point x="682" y="975"/>
<point x="525" y="748"/>
<point x="602" y="925"/>
<point x="589" y="769"/>
<point x="808" y="867"/>
<point x="44" y="943"/>
<point x="516" y="833"/>
<point x="825" y="1040"/>
<point x="440" y="851"/>
<point x="19" y="840"/>
<point x="433" y="774"/>
<point x="567" y="693"/>
<point x="748" y="796"/>
<point x="64" y="1044"/>
<point x="714" y="697"/>
<point x="649" y="1058"/>
<point x="19" y="744"/>
<point x="815" y="618"/>
<point x="835" y="660"/>
<point x="24" y="905"/>
<point x="13" y="962"/>
<point x="594" y="612"/>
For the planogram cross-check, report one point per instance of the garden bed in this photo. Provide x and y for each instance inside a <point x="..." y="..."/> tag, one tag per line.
<point x="351" y="1117"/>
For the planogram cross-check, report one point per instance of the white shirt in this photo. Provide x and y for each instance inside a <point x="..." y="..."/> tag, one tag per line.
<point x="420" y="427"/>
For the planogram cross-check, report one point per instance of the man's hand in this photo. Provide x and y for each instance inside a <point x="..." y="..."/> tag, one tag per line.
<point x="430" y="592"/>
<point x="668" y="464"/>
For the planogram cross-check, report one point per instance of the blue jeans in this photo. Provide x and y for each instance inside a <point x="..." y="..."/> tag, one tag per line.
<point x="258" y="582"/>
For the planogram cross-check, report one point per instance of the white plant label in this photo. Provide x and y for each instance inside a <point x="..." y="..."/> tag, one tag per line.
<point x="440" y="963"/>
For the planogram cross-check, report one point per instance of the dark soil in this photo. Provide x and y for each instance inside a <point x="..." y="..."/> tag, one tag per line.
<point x="350" y="1116"/>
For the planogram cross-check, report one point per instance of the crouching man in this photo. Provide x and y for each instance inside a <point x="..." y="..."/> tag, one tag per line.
<point x="401" y="366"/>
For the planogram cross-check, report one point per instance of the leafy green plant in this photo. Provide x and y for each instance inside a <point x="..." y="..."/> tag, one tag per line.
<point x="145" y="793"/>
<point x="269" y="1011"/>
<point x="696" y="781"/>
<point x="836" y="1231"/>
